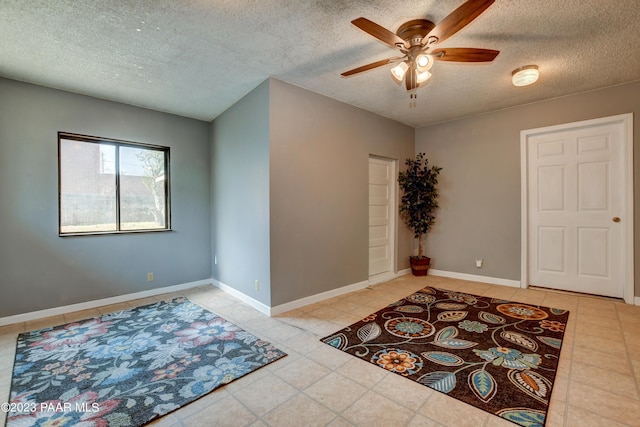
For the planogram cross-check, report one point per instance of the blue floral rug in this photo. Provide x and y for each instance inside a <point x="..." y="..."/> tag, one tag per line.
<point x="130" y="367"/>
<point x="497" y="355"/>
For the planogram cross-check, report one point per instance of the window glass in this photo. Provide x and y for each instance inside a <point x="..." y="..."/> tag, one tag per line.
<point x="111" y="186"/>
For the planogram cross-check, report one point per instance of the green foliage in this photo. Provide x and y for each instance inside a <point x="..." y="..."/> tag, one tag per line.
<point x="420" y="196"/>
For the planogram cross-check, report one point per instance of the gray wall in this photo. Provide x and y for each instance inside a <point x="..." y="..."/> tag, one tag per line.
<point x="40" y="270"/>
<point x="239" y="141"/>
<point x="319" y="157"/>
<point x="480" y="181"/>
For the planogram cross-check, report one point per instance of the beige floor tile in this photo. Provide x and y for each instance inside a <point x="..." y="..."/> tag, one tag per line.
<point x="612" y="333"/>
<point x="280" y="333"/>
<point x="248" y="380"/>
<point x="8" y="346"/>
<point x="47" y="322"/>
<point x="226" y="412"/>
<point x="322" y="328"/>
<point x="403" y="391"/>
<point x="588" y="356"/>
<point x="260" y="324"/>
<point x="631" y="337"/>
<point x="143" y="301"/>
<point x="362" y="372"/>
<point x="339" y="422"/>
<point x="168" y="420"/>
<point x="598" y="320"/>
<point x="603" y="403"/>
<point x="500" y="292"/>
<point x="304" y="321"/>
<point x="112" y="308"/>
<point x="302" y="372"/>
<point x="305" y="343"/>
<point x="335" y="391"/>
<point x="495" y="421"/>
<point x="202" y="403"/>
<point x="560" y="388"/>
<point x="633" y="348"/>
<point x="373" y="409"/>
<point x="555" y="414"/>
<point x="579" y="417"/>
<point x="599" y="314"/>
<point x="4" y="397"/>
<point x="635" y="363"/>
<point x="422" y="421"/>
<point x="604" y="345"/>
<point x="6" y="374"/>
<point x="265" y="394"/>
<point x="299" y="410"/>
<point x="328" y="356"/>
<point x="6" y="360"/>
<point x="565" y="302"/>
<point x="14" y="328"/>
<point x="597" y="381"/>
<point x="451" y="412"/>
<point x="604" y="379"/>
<point x="81" y="315"/>
<point x="629" y="321"/>
<point x="529" y="296"/>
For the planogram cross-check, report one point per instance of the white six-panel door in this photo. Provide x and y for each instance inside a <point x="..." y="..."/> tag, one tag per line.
<point x="577" y="207"/>
<point x="381" y="216"/>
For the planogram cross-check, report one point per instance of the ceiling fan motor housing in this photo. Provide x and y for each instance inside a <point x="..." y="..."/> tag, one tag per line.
<point x="414" y="31"/>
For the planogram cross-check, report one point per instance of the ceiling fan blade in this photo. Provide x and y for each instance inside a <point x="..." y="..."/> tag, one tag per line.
<point x="370" y="66"/>
<point x="411" y="79"/>
<point x="458" y="19"/>
<point x="378" y="32"/>
<point x="465" y="54"/>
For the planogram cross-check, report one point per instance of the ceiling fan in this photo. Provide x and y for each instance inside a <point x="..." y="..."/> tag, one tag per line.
<point x="416" y="40"/>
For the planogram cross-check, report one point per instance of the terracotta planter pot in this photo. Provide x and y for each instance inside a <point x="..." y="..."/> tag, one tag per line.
<point x="420" y="266"/>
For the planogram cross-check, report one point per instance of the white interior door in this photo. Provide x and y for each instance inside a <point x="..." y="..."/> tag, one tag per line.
<point x="578" y="207"/>
<point x="381" y="216"/>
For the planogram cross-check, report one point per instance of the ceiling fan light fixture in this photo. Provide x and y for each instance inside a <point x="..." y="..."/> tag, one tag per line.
<point x="398" y="71"/>
<point x="525" y="76"/>
<point x="423" y="76"/>
<point x="424" y="62"/>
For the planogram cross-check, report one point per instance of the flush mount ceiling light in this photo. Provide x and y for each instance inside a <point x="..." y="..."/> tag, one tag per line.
<point x="525" y="76"/>
<point x="416" y="40"/>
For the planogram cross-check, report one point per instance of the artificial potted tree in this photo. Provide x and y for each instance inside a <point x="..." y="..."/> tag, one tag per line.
<point x="418" y="204"/>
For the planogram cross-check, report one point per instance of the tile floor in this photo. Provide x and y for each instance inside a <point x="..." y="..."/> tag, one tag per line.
<point x="598" y="381"/>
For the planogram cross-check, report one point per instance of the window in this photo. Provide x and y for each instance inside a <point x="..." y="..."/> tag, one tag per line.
<point x="111" y="186"/>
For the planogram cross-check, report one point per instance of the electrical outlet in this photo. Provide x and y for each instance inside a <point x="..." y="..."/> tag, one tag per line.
<point x="257" y="285"/>
<point x="479" y="262"/>
<point x="215" y="259"/>
<point x="149" y="277"/>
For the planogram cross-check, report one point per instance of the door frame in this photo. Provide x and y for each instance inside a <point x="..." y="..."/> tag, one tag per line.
<point x="393" y="218"/>
<point x="626" y="120"/>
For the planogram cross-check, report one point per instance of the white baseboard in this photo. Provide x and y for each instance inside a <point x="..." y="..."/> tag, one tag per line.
<point x="283" y="308"/>
<point x="40" y="314"/>
<point x="404" y="272"/>
<point x="637" y="301"/>
<point x="385" y="277"/>
<point x="262" y="308"/>
<point x="475" y="278"/>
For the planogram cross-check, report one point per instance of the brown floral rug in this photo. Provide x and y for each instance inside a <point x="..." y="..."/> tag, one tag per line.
<point x="497" y="355"/>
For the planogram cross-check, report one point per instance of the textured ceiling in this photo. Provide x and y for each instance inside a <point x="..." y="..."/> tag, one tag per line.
<point x="196" y="58"/>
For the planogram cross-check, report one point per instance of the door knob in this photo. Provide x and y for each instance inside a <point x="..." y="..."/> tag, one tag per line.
<point x="616" y="219"/>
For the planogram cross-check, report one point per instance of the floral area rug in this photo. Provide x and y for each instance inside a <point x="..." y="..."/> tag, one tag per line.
<point x="496" y="355"/>
<point x="129" y="367"/>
